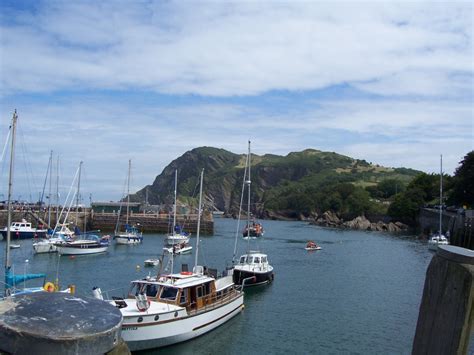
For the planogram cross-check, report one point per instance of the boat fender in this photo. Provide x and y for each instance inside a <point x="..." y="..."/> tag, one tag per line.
<point x="49" y="287"/>
<point x="186" y="273"/>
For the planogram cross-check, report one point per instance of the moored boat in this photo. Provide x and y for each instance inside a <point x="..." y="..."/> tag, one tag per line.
<point x="176" y="307"/>
<point x="253" y="269"/>
<point x="87" y="244"/>
<point x="24" y="230"/>
<point x="131" y="236"/>
<point x="178" y="235"/>
<point x="178" y="249"/>
<point x="152" y="262"/>
<point x="438" y="238"/>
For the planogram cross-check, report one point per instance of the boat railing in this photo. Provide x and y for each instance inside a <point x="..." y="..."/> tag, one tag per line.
<point x="215" y="301"/>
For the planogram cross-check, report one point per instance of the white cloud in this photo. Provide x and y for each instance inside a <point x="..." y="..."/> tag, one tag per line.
<point x="237" y="48"/>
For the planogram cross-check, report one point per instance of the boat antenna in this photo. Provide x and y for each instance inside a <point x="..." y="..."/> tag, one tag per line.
<point x="198" y="221"/>
<point x="9" y="204"/>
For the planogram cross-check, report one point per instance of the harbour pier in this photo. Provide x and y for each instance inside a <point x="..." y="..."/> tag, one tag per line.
<point x="89" y="219"/>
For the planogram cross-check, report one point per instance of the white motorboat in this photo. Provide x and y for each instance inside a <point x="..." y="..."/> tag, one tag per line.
<point x="253" y="269"/>
<point x="178" y="249"/>
<point x="312" y="246"/>
<point x="173" y="308"/>
<point x="23" y="230"/>
<point x="152" y="262"/>
<point x="177" y="307"/>
<point x="15" y="246"/>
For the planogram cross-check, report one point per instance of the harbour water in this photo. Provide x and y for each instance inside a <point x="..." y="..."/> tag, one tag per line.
<point x="359" y="294"/>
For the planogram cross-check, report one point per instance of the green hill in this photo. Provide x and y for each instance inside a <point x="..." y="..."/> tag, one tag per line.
<point x="298" y="183"/>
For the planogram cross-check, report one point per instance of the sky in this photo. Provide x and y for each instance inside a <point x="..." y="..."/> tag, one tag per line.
<point x="107" y="81"/>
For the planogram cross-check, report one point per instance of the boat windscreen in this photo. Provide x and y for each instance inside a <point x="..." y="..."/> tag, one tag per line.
<point x="169" y="293"/>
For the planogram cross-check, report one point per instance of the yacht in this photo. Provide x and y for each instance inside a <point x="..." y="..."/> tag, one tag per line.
<point x="253" y="269"/>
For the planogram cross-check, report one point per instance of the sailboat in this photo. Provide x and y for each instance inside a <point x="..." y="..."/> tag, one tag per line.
<point x="131" y="235"/>
<point x="253" y="267"/>
<point x="12" y="280"/>
<point x="178" y="235"/>
<point x="439" y="238"/>
<point x="175" y="307"/>
<point x="82" y="243"/>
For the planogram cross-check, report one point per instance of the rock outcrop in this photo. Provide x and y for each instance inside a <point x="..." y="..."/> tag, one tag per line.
<point x="331" y="219"/>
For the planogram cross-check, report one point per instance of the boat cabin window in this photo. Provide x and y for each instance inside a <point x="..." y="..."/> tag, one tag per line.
<point x="22" y="225"/>
<point x="199" y="291"/>
<point x="256" y="260"/>
<point x="264" y="259"/>
<point x="168" y="293"/>
<point x="242" y="259"/>
<point x="151" y="290"/>
<point x="183" y="297"/>
<point x="250" y="260"/>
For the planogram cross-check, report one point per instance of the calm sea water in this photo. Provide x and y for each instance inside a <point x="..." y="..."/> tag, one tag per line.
<point x="359" y="294"/>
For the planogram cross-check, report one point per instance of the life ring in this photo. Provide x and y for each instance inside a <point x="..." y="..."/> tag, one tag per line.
<point x="186" y="273"/>
<point x="142" y="306"/>
<point x="49" y="287"/>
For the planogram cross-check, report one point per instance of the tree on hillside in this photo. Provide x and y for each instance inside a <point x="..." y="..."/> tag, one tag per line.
<point x="406" y="205"/>
<point x="463" y="190"/>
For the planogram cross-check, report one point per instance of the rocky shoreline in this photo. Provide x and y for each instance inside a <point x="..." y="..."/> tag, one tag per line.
<point x="331" y="219"/>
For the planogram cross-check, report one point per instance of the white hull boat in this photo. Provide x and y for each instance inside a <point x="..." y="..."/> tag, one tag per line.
<point x="177" y="249"/>
<point x="152" y="262"/>
<point x="170" y="310"/>
<point x="177" y="239"/>
<point x="83" y="246"/>
<point x="129" y="239"/>
<point x="437" y="240"/>
<point x="47" y="245"/>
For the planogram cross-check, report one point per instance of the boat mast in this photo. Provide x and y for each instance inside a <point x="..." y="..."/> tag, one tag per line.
<point x="175" y="199"/>
<point x="57" y="190"/>
<point x="441" y="196"/>
<point x="128" y="189"/>
<point x="199" y="220"/>
<point x="50" y="185"/>
<point x="9" y="208"/>
<point x="77" y="196"/>
<point x="249" y="181"/>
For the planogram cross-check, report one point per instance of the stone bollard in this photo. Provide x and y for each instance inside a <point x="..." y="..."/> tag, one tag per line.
<point x="447" y="307"/>
<point x="59" y="323"/>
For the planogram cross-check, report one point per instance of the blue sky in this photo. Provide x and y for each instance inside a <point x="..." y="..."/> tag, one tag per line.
<point x="108" y="81"/>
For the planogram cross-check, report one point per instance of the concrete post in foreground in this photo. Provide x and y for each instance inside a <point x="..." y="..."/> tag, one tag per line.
<point x="59" y="323"/>
<point x="447" y="310"/>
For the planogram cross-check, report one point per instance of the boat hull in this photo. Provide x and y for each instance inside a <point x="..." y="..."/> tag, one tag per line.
<point x="40" y="248"/>
<point x="141" y="336"/>
<point x="77" y="250"/>
<point x="127" y="240"/>
<point x="24" y="234"/>
<point x="252" y="278"/>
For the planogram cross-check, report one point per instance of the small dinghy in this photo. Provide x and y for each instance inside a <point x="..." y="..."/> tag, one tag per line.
<point x="312" y="246"/>
<point x="14" y="246"/>
<point x="152" y="262"/>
